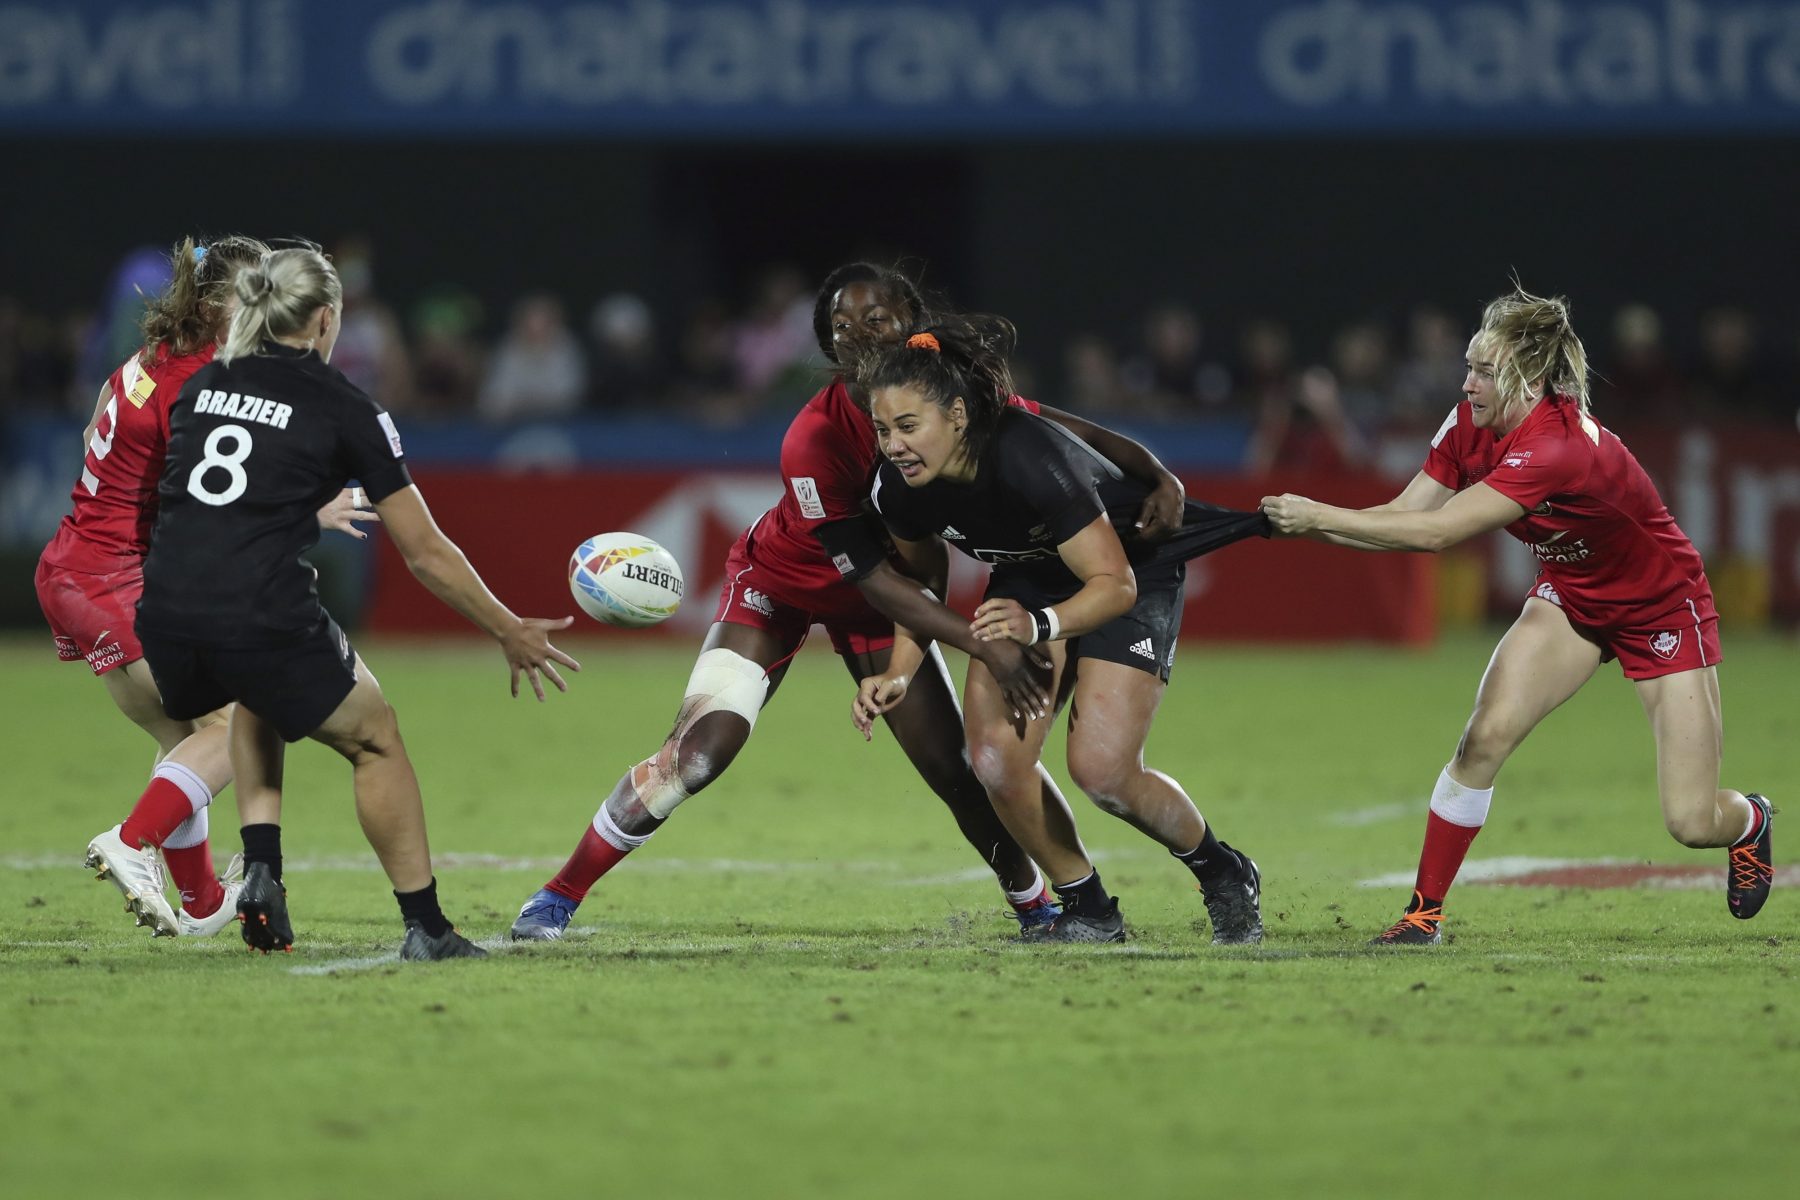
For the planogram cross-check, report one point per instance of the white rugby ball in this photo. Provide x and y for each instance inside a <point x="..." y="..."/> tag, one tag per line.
<point x="625" y="579"/>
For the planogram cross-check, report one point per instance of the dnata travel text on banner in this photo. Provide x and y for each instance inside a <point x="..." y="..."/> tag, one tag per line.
<point x="948" y="69"/>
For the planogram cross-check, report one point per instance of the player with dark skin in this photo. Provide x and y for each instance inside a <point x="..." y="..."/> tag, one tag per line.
<point x="859" y="305"/>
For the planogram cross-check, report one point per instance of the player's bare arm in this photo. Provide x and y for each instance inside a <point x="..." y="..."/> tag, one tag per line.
<point x="1161" y="511"/>
<point x="1421" y="494"/>
<point x="1108" y="590"/>
<point x="440" y="565"/>
<point x="1023" y="678"/>
<point x="1478" y="509"/>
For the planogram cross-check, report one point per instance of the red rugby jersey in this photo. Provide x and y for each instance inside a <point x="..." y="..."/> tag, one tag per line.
<point x="1600" y="532"/>
<point x="828" y="459"/>
<point x="115" y="496"/>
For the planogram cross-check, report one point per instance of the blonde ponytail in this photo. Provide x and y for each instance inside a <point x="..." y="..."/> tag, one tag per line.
<point x="276" y="296"/>
<point x="1532" y="342"/>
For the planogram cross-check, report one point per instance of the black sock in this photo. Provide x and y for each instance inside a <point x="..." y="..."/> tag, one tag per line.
<point x="1087" y="895"/>
<point x="422" y="907"/>
<point x="1210" y="859"/>
<point x="262" y="844"/>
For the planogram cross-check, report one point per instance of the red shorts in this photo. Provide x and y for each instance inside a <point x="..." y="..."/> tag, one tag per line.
<point x="91" y="616"/>
<point x="1685" y="638"/>
<point x="749" y="598"/>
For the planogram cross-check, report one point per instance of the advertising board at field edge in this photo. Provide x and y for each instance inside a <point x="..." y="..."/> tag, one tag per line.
<point x="948" y="69"/>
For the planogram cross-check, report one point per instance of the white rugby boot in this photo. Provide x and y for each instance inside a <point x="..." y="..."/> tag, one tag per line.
<point x="233" y="883"/>
<point x="138" y="875"/>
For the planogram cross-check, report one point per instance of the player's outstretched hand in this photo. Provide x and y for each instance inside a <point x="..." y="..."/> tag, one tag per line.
<point x="1023" y="676"/>
<point x="1291" y="515"/>
<point x="875" y="695"/>
<point x="345" y="509"/>
<point x="527" y="648"/>
<point x="1162" y="511"/>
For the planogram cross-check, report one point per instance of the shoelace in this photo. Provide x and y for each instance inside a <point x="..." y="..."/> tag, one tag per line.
<point x="1748" y="872"/>
<point x="1425" y="920"/>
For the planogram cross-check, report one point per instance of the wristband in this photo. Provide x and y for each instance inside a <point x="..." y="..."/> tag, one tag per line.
<point x="1043" y="626"/>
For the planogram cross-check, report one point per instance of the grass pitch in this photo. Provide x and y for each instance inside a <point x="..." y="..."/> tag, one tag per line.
<point x="804" y="987"/>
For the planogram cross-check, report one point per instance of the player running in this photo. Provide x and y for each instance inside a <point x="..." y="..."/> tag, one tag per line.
<point x="1043" y="510"/>
<point x="781" y="578"/>
<point x="1617" y="579"/>
<point x="91" y="574"/>
<point x="230" y="612"/>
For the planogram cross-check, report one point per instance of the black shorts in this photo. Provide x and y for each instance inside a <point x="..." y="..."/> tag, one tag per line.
<point x="1144" y="637"/>
<point x="293" y="686"/>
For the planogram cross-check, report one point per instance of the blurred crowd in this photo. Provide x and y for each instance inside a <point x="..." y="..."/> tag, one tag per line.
<point x="444" y="356"/>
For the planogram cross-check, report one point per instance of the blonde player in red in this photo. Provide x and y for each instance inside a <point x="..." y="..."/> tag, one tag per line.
<point x="1617" y="579"/>
<point x="90" y="577"/>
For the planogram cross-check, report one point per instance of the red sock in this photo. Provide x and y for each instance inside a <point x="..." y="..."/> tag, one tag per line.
<point x="594" y="857"/>
<point x="192" y="870"/>
<point x="1446" y="843"/>
<point x="158" y="813"/>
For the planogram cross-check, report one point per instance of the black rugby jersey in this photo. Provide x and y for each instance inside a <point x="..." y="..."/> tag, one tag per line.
<point x="1037" y="486"/>
<point x="256" y="448"/>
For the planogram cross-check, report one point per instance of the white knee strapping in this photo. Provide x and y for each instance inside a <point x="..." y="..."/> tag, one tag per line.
<point x="189" y="833"/>
<point x="1460" y="805"/>
<point x="723" y="681"/>
<point x="191" y="785"/>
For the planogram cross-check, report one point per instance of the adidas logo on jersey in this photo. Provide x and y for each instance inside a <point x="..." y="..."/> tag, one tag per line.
<point x="761" y="603"/>
<point x="950" y="534"/>
<point x="1144" y="648"/>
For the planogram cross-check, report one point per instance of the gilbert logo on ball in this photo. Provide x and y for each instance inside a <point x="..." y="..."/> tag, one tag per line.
<point x="625" y="579"/>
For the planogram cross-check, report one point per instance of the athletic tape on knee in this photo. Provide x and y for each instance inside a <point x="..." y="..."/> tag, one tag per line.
<point x="723" y="681"/>
<point x="1460" y="805"/>
<point x="189" y="833"/>
<point x="191" y="785"/>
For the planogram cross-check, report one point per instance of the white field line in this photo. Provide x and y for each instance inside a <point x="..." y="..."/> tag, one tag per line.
<point x="1489" y="870"/>
<point x="706" y="866"/>
<point x="1499" y="870"/>
<point x="1376" y="814"/>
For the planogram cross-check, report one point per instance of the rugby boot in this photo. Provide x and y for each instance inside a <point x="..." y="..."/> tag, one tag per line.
<point x="1421" y="925"/>
<point x="1751" y="872"/>
<point x="544" y="918"/>
<point x="420" y="946"/>
<point x="1234" y="903"/>
<point x="138" y="874"/>
<point x="1036" y="914"/>
<point x="262" y="907"/>
<point x="233" y="883"/>
<point x="1107" y="925"/>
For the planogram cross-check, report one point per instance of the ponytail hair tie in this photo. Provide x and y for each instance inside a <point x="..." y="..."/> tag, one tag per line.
<point x="924" y="341"/>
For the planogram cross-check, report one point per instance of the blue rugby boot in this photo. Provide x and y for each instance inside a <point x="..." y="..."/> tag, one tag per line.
<point x="544" y="918"/>
<point x="1036" y="914"/>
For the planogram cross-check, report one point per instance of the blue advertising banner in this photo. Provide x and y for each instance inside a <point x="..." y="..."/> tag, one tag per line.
<point x="924" y="69"/>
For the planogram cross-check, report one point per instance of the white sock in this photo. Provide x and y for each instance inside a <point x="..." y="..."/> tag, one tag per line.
<point x="612" y="835"/>
<point x="190" y="832"/>
<point x="1029" y="894"/>
<point x="1459" y="805"/>
<point x="191" y="785"/>
<point x="1755" y="816"/>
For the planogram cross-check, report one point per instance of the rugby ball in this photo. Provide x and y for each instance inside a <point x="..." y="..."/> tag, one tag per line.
<point x="625" y="579"/>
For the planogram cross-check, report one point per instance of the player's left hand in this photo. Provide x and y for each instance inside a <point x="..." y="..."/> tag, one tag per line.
<point x="875" y="695"/>
<point x="527" y="648"/>
<point x="1003" y="620"/>
<point x="345" y="509"/>
<point x="1290" y="514"/>
<point x="1161" y="514"/>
